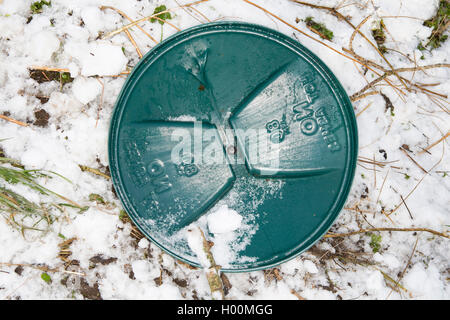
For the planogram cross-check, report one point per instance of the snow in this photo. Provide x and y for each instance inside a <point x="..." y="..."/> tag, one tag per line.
<point x="93" y="19"/>
<point x="33" y="158"/>
<point x="35" y="251"/>
<point x="13" y="6"/>
<point x="86" y="89"/>
<point x="310" y="266"/>
<point x="42" y="46"/>
<point x="70" y="35"/>
<point x="291" y="267"/>
<point x="425" y="283"/>
<point x="143" y="243"/>
<point x="144" y="271"/>
<point x="375" y="282"/>
<point x="224" y="220"/>
<point x="195" y="241"/>
<point x="11" y="26"/>
<point x="226" y="229"/>
<point x="387" y="259"/>
<point x="60" y="104"/>
<point x="93" y="231"/>
<point x="97" y="59"/>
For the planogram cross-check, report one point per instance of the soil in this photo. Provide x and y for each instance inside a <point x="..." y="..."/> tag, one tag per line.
<point x="42" y="117"/>
<point x="90" y="292"/>
<point x="100" y="259"/>
<point x="42" y="76"/>
<point x="43" y="99"/>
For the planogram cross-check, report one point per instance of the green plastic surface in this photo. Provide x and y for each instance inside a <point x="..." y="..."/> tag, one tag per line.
<point x="278" y="126"/>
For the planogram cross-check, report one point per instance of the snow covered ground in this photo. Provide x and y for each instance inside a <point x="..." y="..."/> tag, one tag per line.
<point x="116" y="265"/>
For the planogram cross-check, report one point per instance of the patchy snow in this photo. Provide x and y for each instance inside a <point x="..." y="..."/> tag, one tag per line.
<point x="68" y="35"/>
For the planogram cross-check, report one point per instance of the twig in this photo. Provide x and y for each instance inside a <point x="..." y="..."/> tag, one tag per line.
<point x="295" y="293"/>
<point x="382" y="185"/>
<point x="378" y="163"/>
<point x="43" y="73"/>
<point x="213" y="272"/>
<point x="418" y="183"/>
<point x="94" y="171"/>
<point x="44" y="269"/>
<point x="425" y="90"/>
<point x="356" y="95"/>
<point x="320" y="34"/>
<point x="395" y="17"/>
<point x="122" y="74"/>
<point x="359" y="95"/>
<point x="331" y="10"/>
<point x="168" y="22"/>
<point x="201" y="14"/>
<point x="389" y="278"/>
<point x="412" y="159"/>
<point x="191" y="14"/>
<point x="336" y="235"/>
<point x="357" y="30"/>
<point x="101" y="101"/>
<point x="67" y="242"/>
<point x="127" y="32"/>
<point x="435" y="143"/>
<point x="136" y="22"/>
<point x="305" y="34"/>
<point x="374" y="173"/>
<point x="49" y="69"/>
<point x="129" y="19"/>
<point x="362" y="96"/>
<point x="421" y="68"/>
<point x="364" y="61"/>
<point x="134" y="43"/>
<point x="403" y="200"/>
<point x="365" y="108"/>
<point x="338" y="15"/>
<point x="20" y="123"/>
<point x="397" y="283"/>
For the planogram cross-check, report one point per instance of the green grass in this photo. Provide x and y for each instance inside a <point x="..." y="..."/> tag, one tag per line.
<point x="46" y="277"/>
<point x="321" y="29"/>
<point x="379" y="36"/>
<point x="375" y="242"/>
<point x="65" y="77"/>
<point x="20" y="212"/>
<point x="37" y="7"/>
<point x="439" y="25"/>
<point x="28" y="178"/>
<point x="96" y="198"/>
<point x="23" y="214"/>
